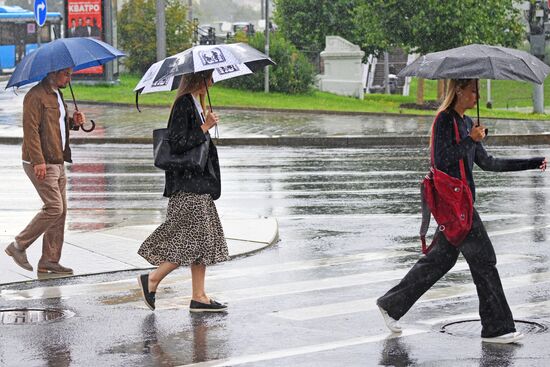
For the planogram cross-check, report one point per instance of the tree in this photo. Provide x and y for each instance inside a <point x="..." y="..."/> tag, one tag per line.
<point x="292" y="74"/>
<point x="435" y="25"/>
<point x="137" y="34"/>
<point x="306" y="23"/>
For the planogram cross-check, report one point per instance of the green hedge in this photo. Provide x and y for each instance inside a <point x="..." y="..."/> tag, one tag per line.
<point x="292" y="74"/>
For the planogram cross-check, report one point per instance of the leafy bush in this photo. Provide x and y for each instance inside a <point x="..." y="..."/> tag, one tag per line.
<point x="137" y="33"/>
<point x="292" y="74"/>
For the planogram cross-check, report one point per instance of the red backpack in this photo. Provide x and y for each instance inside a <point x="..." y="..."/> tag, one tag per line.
<point x="448" y="199"/>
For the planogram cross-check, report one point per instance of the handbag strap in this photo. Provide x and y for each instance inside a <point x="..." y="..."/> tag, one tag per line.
<point x="172" y="110"/>
<point x="457" y="138"/>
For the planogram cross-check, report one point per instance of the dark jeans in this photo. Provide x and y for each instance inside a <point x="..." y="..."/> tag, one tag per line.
<point x="496" y="317"/>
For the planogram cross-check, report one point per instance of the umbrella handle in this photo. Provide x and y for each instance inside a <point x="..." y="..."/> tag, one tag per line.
<point x="216" y="134"/>
<point x="72" y="94"/>
<point x="207" y="94"/>
<point x="90" y="129"/>
<point x="76" y="108"/>
<point x="477" y="104"/>
<point x="137" y="102"/>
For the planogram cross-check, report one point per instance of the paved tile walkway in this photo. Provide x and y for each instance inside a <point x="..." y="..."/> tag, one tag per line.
<point x="115" y="249"/>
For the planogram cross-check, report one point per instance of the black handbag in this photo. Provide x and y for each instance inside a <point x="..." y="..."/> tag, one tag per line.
<point x="193" y="159"/>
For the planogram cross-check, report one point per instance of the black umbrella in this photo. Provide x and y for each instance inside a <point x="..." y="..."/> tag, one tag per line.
<point x="479" y="62"/>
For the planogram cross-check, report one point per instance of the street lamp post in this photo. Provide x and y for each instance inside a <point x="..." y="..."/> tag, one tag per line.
<point x="266" y="69"/>
<point x="161" y="30"/>
<point x="538" y="15"/>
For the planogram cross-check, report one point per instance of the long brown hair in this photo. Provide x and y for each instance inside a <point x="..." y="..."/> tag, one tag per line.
<point x="190" y="83"/>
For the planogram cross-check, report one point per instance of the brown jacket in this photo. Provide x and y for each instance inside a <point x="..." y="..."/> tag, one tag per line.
<point x="41" y="132"/>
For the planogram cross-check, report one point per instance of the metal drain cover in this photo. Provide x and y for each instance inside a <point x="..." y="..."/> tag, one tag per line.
<point x="27" y="316"/>
<point x="469" y="328"/>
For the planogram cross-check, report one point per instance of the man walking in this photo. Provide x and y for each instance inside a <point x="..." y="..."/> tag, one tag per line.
<point x="45" y="149"/>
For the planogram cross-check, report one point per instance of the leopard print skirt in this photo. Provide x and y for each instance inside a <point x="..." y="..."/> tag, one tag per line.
<point x="191" y="234"/>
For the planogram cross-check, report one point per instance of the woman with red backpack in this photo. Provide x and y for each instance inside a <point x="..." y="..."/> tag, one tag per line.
<point x="448" y="153"/>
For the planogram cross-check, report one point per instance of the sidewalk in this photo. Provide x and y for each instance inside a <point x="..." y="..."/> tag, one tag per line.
<point x="115" y="249"/>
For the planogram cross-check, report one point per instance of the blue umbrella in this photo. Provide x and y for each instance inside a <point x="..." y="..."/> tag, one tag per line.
<point x="77" y="53"/>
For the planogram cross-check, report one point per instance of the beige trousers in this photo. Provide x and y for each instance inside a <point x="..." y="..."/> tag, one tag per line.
<point x="50" y="221"/>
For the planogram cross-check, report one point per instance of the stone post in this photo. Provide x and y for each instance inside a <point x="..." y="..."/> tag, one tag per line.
<point x="343" y="68"/>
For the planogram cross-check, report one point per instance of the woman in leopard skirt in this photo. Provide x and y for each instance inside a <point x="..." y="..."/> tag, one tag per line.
<point x="192" y="233"/>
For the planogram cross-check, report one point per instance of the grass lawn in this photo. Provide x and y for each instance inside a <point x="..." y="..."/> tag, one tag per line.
<point x="504" y="93"/>
<point x="513" y="93"/>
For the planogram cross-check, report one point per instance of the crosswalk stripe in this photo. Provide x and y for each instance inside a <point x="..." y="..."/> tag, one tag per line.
<point x="518" y="230"/>
<point x="525" y="310"/>
<point x="120" y="285"/>
<point x="318" y="284"/>
<point x="247" y="293"/>
<point x="437" y="294"/>
<point x="308" y="349"/>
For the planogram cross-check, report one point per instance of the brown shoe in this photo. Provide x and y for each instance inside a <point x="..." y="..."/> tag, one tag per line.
<point x="50" y="267"/>
<point x="19" y="256"/>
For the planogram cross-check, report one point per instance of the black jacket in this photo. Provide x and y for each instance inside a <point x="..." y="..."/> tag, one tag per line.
<point x="186" y="133"/>
<point x="447" y="153"/>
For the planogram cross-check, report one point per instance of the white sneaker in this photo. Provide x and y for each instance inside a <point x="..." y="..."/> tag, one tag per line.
<point x="391" y="323"/>
<point x="505" y="339"/>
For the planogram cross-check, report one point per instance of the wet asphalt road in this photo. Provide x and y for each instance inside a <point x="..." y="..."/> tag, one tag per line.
<point x="348" y="220"/>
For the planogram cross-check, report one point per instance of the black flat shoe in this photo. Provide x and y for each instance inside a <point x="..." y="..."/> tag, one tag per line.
<point x="148" y="297"/>
<point x="213" y="306"/>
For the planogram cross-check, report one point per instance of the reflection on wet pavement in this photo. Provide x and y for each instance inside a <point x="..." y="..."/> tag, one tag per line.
<point x="349" y="221"/>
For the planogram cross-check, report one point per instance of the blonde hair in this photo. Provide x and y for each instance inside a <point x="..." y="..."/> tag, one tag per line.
<point x="453" y="87"/>
<point x="452" y="91"/>
<point x="190" y="83"/>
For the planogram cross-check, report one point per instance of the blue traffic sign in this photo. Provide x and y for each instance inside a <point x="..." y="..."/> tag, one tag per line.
<point x="40" y="12"/>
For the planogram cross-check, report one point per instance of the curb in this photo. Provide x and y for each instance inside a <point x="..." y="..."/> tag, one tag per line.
<point x="300" y="141"/>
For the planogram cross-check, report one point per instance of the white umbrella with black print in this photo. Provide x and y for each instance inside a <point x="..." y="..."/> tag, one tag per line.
<point x="226" y="61"/>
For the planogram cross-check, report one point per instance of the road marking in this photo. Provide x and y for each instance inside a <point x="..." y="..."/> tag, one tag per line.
<point x="318" y="285"/>
<point x="307" y="349"/>
<point x="125" y="284"/>
<point x="369" y="304"/>
<point x="518" y="230"/>
<point x="523" y="310"/>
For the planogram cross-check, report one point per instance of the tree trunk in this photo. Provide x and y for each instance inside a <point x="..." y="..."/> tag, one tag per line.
<point x="420" y="92"/>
